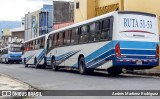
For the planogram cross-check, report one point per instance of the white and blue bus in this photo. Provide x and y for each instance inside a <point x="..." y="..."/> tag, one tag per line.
<point x="117" y="40"/>
<point x="11" y="54"/>
<point x="35" y="51"/>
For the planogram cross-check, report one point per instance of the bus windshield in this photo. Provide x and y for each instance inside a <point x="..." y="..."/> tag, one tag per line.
<point x="15" y="49"/>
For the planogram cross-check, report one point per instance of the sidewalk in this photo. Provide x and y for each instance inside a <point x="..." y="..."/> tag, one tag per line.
<point x="8" y="83"/>
<point x="149" y="72"/>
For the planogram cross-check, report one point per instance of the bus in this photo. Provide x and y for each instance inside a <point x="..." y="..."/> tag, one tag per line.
<point x="10" y="54"/>
<point x="111" y="42"/>
<point x="35" y="51"/>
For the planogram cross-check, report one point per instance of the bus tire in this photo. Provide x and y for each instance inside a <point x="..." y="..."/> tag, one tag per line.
<point x="35" y="63"/>
<point x="53" y="65"/>
<point x="6" y="62"/>
<point x="82" y="66"/>
<point x="114" y="71"/>
<point x="26" y="65"/>
<point x="45" y="64"/>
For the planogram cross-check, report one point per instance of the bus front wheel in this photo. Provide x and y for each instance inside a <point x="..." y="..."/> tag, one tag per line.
<point x="6" y="61"/>
<point x="54" y="66"/>
<point x="114" y="71"/>
<point x="35" y="63"/>
<point x="82" y="66"/>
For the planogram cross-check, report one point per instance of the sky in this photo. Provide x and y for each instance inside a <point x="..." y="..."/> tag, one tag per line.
<point x="14" y="10"/>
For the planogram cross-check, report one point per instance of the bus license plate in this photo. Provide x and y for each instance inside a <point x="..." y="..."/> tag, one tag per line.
<point x="139" y="62"/>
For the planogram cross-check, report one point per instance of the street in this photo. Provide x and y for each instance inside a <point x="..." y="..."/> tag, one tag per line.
<point x="46" y="79"/>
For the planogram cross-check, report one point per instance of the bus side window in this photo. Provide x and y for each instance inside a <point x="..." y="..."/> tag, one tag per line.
<point x="60" y="39"/>
<point x="57" y="39"/>
<point x="74" y="36"/>
<point x="50" y="42"/>
<point x="84" y="34"/>
<point x="105" y="29"/>
<point x="34" y="44"/>
<point x="67" y="37"/>
<point x="42" y="42"/>
<point x="94" y="32"/>
<point x="31" y="45"/>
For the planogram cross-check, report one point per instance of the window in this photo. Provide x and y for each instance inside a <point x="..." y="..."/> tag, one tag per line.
<point x="94" y="31"/>
<point x="74" y="36"/>
<point x="106" y="31"/>
<point x="84" y="35"/>
<point x="60" y="39"/>
<point x="77" y="5"/>
<point x="50" y="42"/>
<point x="31" y="45"/>
<point x="5" y="51"/>
<point x="42" y="42"/>
<point x="15" y="49"/>
<point x="67" y="37"/>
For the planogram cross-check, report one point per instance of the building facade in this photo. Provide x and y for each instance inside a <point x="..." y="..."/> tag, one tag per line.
<point x="86" y="9"/>
<point x="6" y="37"/>
<point x="17" y="34"/>
<point x="38" y="22"/>
<point x="12" y="35"/>
<point x="63" y="14"/>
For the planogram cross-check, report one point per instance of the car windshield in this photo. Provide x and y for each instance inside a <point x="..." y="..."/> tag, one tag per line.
<point x="15" y="49"/>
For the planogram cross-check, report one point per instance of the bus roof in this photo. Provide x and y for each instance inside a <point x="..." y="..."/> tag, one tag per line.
<point x="35" y="38"/>
<point x="137" y="12"/>
<point x="101" y="17"/>
<point x="83" y="22"/>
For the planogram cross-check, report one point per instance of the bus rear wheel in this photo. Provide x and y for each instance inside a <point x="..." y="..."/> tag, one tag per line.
<point x="54" y="66"/>
<point x="114" y="71"/>
<point x="35" y="63"/>
<point x="82" y="66"/>
<point x="26" y="65"/>
<point x="6" y="61"/>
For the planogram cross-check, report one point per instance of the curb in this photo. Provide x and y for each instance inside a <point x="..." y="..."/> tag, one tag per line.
<point x="144" y="72"/>
<point x="23" y="83"/>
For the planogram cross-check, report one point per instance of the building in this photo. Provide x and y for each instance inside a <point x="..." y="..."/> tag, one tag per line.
<point x="17" y="34"/>
<point x="38" y="22"/>
<point x="86" y="9"/>
<point x="6" y="37"/>
<point x="12" y="35"/>
<point x="63" y="14"/>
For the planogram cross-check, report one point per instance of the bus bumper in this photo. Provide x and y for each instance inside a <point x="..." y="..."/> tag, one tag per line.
<point x="136" y="64"/>
<point x="15" y="59"/>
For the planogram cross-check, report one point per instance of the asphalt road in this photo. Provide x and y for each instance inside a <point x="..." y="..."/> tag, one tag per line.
<point x="46" y="79"/>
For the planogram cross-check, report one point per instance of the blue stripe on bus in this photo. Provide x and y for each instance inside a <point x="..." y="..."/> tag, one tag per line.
<point x="142" y="52"/>
<point x="61" y="57"/>
<point x="144" y="46"/>
<point x="99" y="51"/>
<point x="137" y="44"/>
<point x="65" y="56"/>
<point x="28" y="58"/>
<point x="41" y="54"/>
<point x="103" y="56"/>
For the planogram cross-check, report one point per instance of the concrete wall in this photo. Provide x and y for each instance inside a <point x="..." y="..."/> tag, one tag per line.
<point x="62" y="11"/>
<point x="38" y="22"/>
<point x="80" y="14"/>
<point x="19" y="36"/>
<point x="101" y="3"/>
<point x="150" y="6"/>
<point x="88" y="8"/>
